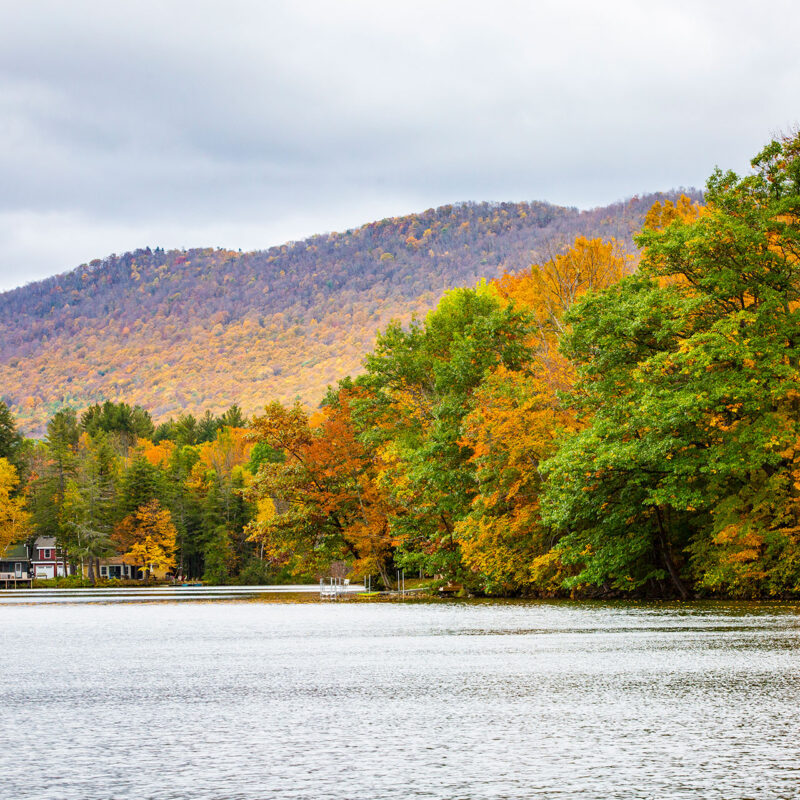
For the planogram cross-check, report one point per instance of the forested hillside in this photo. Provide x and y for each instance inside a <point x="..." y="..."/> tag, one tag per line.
<point x="186" y="331"/>
<point x="600" y="423"/>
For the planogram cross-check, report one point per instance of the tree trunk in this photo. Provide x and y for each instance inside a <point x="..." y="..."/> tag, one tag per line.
<point x="666" y="557"/>
<point x="387" y="581"/>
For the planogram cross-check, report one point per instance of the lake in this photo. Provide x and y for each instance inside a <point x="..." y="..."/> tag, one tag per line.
<point x="233" y="695"/>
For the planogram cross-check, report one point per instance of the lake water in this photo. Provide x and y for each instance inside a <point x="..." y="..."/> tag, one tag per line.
<point x="242" y="697"/>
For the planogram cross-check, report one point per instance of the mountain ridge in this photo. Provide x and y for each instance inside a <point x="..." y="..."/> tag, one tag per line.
<point x="187" y="330"/>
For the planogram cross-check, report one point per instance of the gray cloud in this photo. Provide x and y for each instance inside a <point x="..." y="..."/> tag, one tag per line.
<point x="245" y="124"/>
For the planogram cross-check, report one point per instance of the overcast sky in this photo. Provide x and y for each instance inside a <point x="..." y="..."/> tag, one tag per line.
<point x="246" y="124"/>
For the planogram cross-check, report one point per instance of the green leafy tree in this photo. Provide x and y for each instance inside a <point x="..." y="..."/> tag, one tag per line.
<point x="207" y="427"/>
<point x="187" y="512"/>
<point x="141" y="484"/>
<point x="80" y="529"/>
<point x="217" y="551"/>
<point x="233" y="418"/>
<point x="420" y="383"/>
<point x="185" y="430"/>
<point x="164" y="430"/>
<point x="689" y="381"/>
<point x="128" y="422"/>
<point x="52" y="464"/>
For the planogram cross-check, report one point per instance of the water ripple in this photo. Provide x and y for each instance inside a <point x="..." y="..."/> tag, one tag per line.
<point x="235" y="700"/>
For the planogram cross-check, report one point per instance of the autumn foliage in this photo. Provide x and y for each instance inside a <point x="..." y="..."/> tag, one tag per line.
<point x="325" y="490"/>
<point x="146" y="538"/>
<point x="14" y="518"/>
<point x="604" y="424"/>
<point x="601" y="422"/>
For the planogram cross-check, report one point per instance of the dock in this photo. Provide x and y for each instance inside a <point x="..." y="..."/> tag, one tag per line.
<point x="338" y="589"/>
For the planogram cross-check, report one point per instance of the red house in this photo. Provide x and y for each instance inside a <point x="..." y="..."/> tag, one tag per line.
<point x="48" y="561"/>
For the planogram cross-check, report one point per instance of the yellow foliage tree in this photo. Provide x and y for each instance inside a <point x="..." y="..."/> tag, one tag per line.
<point x="156" y="454"/>
<point x="147" y="538"/>
<point x="517" y="418"/>
<point x="14" y="519"/>
<point x="230" y="449"/>
<point x="513" y="427"/>
<point x="660" y="215"/>
<point x="549" y="289"/>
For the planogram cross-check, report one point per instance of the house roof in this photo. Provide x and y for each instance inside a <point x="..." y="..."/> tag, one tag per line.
<point x="45" y="541"/>
<point x="15" y="552"/>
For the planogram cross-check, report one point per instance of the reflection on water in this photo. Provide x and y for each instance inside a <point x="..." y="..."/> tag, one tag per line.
<point x="248" y="700"/>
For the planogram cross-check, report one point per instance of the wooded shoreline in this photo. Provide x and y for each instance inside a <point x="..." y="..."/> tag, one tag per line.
<point x="598" y="425"/>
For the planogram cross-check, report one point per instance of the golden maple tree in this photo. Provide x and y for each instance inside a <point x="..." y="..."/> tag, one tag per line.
<point x="147" y="538"/>
<point x="14" y="519"/>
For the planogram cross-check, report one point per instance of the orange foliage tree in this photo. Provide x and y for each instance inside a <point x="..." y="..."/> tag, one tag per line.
<point x="325" y="491"/>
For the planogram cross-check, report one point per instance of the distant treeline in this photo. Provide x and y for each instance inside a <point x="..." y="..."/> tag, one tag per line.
<point x="109" y="483"/>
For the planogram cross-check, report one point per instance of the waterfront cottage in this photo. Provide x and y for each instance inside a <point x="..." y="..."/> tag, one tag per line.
<point x="117" y="568"/>
<point x="48" y="560"/>
<point x="15" y="565"/>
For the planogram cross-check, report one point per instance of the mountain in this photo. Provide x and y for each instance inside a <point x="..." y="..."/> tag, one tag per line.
<point x="200" y="329"/>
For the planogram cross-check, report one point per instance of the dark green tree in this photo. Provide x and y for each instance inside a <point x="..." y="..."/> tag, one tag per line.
<point x="207" y="427"/>
<point x="128" y="423"/>
<point x="185" y="430"/>
<point x="52" y="465"/>
<point x="10" y="438"/>
<point x="233" y="418"/>
<point x="187" y="512"/>
<point x="218" y="552"/>
<point x="141" y="483"/>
